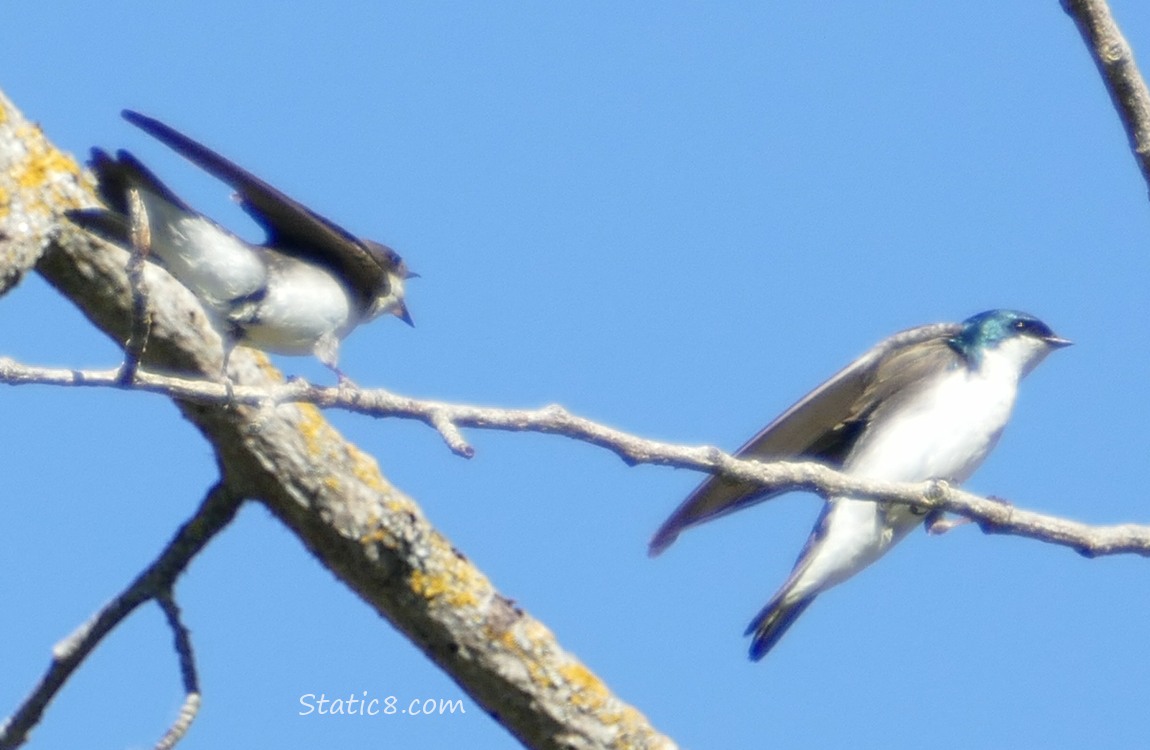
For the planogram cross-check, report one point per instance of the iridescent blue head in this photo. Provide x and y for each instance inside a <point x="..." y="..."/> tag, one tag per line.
<point x="989" y="330"/>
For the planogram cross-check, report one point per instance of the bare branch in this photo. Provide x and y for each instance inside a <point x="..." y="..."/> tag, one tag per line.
<point x="1115" y="60"/>
<point x="182" y="723"/>
<point x="216" y="512"/>
<point x="183" y="643"/>
<point x="451" y="434"/>
<point x="141" y="235"/>
<point x="993" y="516"/>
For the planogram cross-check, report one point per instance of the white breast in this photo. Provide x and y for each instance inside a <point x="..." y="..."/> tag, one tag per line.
<point x="946" y="432"/>
<point x="303" y="304"/>
<point x="300" y="303"/>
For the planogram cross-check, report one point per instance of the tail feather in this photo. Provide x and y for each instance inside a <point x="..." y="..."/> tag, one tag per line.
<point x="108" y="225"/>
<point x="114" y="176"/>
<point x="112" y="181"/>
<point x="773" y="621"/>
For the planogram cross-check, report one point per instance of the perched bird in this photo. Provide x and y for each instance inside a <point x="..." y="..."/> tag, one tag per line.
<point x="300" y="292"/>
<point x="926" y="403"/>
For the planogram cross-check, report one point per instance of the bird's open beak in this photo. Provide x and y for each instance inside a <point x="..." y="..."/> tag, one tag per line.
<point x="400" y="311"/>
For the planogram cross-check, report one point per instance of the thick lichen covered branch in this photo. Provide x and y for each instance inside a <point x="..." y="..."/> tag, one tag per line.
<point x="333" y="497"/>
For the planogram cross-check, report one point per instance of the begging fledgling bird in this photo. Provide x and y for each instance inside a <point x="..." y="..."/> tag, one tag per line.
<point x="926" y="403"/>
<point x="301" y="292"/>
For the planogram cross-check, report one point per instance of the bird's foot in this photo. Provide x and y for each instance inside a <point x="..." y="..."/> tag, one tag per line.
<point x="229" y="392"/>
<point x="938" y="523"/>
<point x="343" y="381"/>
<point x="126" y="375"/>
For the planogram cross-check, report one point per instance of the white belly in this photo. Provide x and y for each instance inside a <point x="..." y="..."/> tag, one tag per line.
<point x="214" y="264"/>
<point x="304" y="304"/>
<point x="946" y="435"/>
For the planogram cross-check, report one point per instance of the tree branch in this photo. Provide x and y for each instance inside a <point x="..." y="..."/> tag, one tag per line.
<point x="191" y="680"/>
<point x="1115" y="60"/>
<point x="37" y="181"/>
<point x="156" y="582"/>
<point x="992" y="515"/>
<point x="277" y="449"/>
<point x="334" y="498"/>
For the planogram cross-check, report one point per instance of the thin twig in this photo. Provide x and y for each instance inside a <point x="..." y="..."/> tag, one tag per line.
<point x="141" y="237"/>
<point x="183" y="721"/>
<point x="216" y="511"/>
<point x="992" y="515"/>
<point x="191" y="680"/>
<point x="451" y="434"/>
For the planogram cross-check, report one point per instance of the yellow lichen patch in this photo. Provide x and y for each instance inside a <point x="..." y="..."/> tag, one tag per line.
<point x="510" y="641"/>
<point x="314" y="428"/>
<point x="629" y="715"/>
<point x="584" y="690"/>
<point x="427" y="585"/>
<point x="457" y="585"/>
<point x="325" y="444"/>
<point x="527" y="641"/>
<point x="378" y="535"/>
<point x="397" y="503"/>
<point x="537" y="631"/>
<point x="540" y="676"/>
<point x="321" y="440"/>
<point x="366" y="469"/>
<point x="588" y="690"/>
<point x="42" y="163"/>
<point x="264" y="363"/>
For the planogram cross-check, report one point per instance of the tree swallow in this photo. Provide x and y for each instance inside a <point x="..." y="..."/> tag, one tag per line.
<point x="300" y="292"/>
<point x="926" y="403"/>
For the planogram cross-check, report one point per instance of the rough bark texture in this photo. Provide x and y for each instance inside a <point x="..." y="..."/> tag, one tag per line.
<point x="332" y="496"/>
<point x="36" y="182"/>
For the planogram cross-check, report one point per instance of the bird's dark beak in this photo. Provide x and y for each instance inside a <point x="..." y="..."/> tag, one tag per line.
<point x="410" y="275"/>
<point x="400" y="311"/>
<point x="1057" y="342"/>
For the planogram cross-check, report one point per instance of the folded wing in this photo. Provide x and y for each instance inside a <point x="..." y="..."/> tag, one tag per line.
<point x="822" y="426"/>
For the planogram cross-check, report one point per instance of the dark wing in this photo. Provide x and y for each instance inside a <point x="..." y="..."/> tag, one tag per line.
<point x="292" y="227"/>
<point x="822" y="426"/>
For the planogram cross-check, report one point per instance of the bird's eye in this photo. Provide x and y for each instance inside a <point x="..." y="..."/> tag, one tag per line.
<point x="1035" y="328"/>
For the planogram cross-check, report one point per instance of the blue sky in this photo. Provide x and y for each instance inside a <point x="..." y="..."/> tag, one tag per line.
<point x="676" y="219"/>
